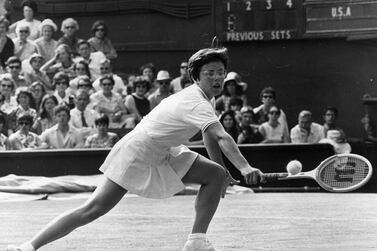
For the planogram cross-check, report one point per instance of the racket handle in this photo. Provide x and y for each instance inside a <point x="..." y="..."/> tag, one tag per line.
<point x="274" y="176"/>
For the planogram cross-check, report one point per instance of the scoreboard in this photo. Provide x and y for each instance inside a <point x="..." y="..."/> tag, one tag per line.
<point x="251" y="20"/>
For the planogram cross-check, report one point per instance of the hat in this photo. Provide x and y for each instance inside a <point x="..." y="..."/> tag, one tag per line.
<point x="334" y="138"/>
<point x="49" y="22"/>
<point x="163" y="75"/>
<point x="237" y="78"/>
<point x="35" y="55"/>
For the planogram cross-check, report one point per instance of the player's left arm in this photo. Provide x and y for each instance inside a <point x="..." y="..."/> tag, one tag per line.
<point x="217" y="140"/>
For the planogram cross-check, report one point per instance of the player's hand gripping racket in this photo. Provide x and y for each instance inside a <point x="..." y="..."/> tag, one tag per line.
<point x="338" y="173"/>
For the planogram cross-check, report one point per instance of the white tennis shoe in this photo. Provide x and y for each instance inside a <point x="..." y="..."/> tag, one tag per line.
<point x="201" y="244"/>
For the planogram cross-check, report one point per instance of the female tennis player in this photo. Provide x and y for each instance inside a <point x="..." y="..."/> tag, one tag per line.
<point x="152" y="162"/>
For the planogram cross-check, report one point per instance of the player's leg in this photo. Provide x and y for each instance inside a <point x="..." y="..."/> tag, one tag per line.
<point x="211" y="176"/>
<point x="104" y="198"/>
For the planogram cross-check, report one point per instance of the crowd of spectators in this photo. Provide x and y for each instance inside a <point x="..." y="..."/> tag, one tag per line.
<point x="63" y="93"/>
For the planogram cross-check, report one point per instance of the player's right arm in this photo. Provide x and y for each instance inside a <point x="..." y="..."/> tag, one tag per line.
<point x="215" y="134"/>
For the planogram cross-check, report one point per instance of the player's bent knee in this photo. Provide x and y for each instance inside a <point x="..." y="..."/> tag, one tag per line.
<point x="218" y="175"/>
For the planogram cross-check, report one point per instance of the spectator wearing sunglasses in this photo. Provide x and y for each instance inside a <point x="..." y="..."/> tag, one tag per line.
<point x="23" y="139"/>
<point x="178" y="83"/>
<point x="268" y="99"/>
<point x="106" y="70"/>
<point x="7" y="88"/>
<point x="163" y="79"/>
<point x="14" y="66"/>
<point x="272" y="130"/>
<point x="23" y="46"/>
<point x="100" y="40"/>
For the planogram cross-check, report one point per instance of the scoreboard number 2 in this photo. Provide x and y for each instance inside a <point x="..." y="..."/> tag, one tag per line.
<point x="248" y="5"/>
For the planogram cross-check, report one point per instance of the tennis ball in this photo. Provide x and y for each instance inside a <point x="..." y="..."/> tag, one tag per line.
<point x="294" y="167"/>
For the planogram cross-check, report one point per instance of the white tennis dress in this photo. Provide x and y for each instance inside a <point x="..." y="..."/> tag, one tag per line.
<point x="151" y="160"/>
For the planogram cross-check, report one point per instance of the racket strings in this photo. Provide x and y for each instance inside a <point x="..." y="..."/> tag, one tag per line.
<point x="343" y="172"/>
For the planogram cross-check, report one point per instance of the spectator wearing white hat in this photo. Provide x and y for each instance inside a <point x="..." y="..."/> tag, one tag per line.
<point x="34" y="74"/>
<point x="46" y="45"/>
<point x="232" y="89"/>
<point x="163" y="91"/>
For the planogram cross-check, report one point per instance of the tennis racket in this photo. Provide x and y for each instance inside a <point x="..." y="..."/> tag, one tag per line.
<point x="338" y="173"/>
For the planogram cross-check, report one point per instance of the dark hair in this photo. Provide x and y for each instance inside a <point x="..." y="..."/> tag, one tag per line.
<point x="108" y="77"/>
<point x="149" y="66"/>
<point x="103" y="119"/>
<point x="99" y="23"/>
<point x="25" y="116"/>
<point x="268" y="90"/>
<point x="31" y="4"/>
<point x="234" y="129"/>
<point x="61" y="108"/>
<point x="205" y="56"/>
<point x="28" y="94"/>
<point x="239" y="90"/>
<point x="330" y="108"/>
<point x="12" y="60"/>
<point x="85" y="64"/>
<point x="60" y="76"/>
<point x="42" y="112"/>
<point x="142" y="80"/>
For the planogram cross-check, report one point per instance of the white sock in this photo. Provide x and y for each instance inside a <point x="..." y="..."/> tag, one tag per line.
<point x="197" y="236"/>
<point x="27" y="247"/>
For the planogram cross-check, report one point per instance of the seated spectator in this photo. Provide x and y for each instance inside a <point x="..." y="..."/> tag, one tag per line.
<point x="100" y="40"/>
<point x="232" y="89"/>
<point x="23" y="139"/>
<point x="93" y="59"/>
<point x="137" y="103"/>
<point x="23" y="47"/>
<point x="249" y="133"/>
<point x="7" y="49"/>
<point x="46" y="44"/>
<point x="336" y="139"/>
<point x="178" y="83"/>
<point x="24" y="99"/>
<point x="70" y="28"/>
<point x="61" y="62"/>
<point x="61" y="135"/>
<point x="81" y="68"/>
<point x="60" y="83"/>
<point x="106" y="69"/>
<point x="29" y="8"/>
<point x="306" y="131"/>
<point x="14" y="66"/>
<point x="38" y="91"/>
<point x="272" y="130"/>
<point x="163" y="79"/>
<point x="148" y="70"/>
<point x="229" y="122"/>
<point x="110" y="103"/>
<point x="35" y="74"/>
<point x="46" y="117"/>
<point x="268" y="98"/>
<point x="330" y="116"/>
<point x="7" y="88"/>
<point x="84" y="83"/>
<point x="103" y="138"/>
<point x="82" y="118"/>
